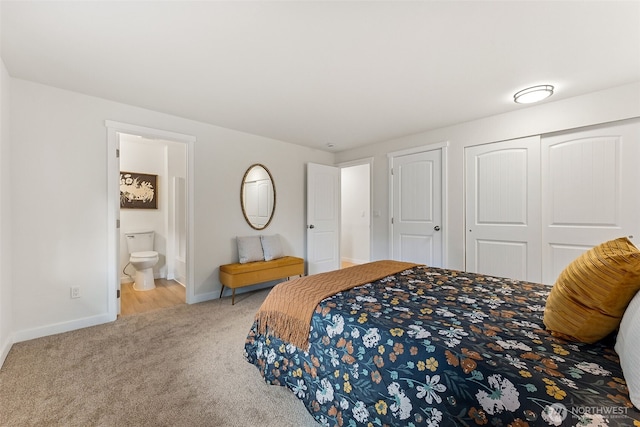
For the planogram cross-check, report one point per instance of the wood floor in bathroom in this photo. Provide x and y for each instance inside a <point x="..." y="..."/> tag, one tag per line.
<point x="166" y="294"/>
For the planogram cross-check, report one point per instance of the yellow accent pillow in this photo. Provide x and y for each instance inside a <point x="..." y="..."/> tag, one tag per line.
<point x="590" y="296"/>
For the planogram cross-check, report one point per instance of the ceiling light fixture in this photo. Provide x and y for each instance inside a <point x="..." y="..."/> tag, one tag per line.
<point x="533" y="94"/>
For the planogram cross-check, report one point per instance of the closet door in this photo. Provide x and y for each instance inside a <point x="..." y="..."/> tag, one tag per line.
<point x="503" y="209"/>
<point x="590" y="192"/>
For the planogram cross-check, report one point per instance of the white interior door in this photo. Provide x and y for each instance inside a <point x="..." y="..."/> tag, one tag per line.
<point x="416" y="219"/>
<point x="503" y="209"/>
<point x="589" y="183"/>
<point x="323" y="218"/>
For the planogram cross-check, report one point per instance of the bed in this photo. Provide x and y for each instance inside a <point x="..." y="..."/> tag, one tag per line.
<point x="427" y="346"/>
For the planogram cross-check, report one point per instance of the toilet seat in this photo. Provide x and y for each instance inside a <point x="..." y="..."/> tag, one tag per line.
<point x="143" y="255"/>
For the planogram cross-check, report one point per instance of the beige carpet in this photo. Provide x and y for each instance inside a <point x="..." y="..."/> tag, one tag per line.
<point x="180" y="366"/>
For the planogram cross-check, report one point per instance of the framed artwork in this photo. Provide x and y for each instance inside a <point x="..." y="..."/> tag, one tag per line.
<point x="138" y="190"/>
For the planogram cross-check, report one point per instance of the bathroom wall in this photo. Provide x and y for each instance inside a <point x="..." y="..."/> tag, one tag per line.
<point x="177" y="224"/>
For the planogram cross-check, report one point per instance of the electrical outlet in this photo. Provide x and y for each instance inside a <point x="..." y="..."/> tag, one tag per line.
<point x="75" y="292"/>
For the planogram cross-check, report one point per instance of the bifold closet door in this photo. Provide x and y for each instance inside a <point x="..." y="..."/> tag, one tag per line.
<point x="590" y="191"/>
<point x="503" y="209"/>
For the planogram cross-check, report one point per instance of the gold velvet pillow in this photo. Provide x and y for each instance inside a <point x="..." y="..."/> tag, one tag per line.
<point x="590" y="296"/>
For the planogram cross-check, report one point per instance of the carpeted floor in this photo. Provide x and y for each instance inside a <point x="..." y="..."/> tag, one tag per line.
<point x="180" y="366"/>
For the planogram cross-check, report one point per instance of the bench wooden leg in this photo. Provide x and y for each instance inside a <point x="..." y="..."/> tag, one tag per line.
<point x="233" y="294"/>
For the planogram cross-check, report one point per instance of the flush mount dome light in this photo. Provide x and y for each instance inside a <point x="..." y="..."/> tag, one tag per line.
<point x="533" y="94"/>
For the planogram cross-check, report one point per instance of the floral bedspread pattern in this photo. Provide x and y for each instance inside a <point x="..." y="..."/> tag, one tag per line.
<point x="435" y="347"/>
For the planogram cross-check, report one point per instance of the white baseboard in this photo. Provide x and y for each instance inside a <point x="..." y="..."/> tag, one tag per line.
<point x="227" y="292"/>
<point x="58" y="328"/>
<point x="6" y="347"/>
<point x="203" y="297"/>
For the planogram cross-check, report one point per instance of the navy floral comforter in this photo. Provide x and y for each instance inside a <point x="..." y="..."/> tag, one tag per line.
<point x="435" y="347"/>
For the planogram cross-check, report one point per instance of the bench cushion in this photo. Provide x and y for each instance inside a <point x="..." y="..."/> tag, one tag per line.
<point x="272" y="247"/>
<point x="237" y="275"/>
<point x="249" y="249"/>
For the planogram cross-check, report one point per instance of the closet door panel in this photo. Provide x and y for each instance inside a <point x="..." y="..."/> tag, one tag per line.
<point x="590" y="194"/>
<point x="503" y="209"/>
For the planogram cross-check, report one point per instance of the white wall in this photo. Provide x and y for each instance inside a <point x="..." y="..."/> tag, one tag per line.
<point x="599" y="107"/>
<point x="354" y="236"/>
<point x="59" y="201"/>
<point x="6" y="306"/>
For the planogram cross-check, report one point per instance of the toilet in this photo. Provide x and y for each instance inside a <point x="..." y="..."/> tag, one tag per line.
<point x="142" y="257"/>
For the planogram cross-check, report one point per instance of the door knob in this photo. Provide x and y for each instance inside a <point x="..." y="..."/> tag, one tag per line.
<point x="437" y="228"/>
<point x="312" y="226"/>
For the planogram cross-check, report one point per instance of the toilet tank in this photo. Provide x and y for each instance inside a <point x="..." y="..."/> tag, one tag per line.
<point x="139" y="242"/>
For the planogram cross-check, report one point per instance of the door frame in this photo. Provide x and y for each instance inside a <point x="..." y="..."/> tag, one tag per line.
<point x="360" y="162"/>
<point x="443" y="147"/>
<point x="113" y="206"/>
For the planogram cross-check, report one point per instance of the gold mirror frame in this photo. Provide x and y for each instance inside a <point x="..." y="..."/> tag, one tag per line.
<point x="247" y="205"/>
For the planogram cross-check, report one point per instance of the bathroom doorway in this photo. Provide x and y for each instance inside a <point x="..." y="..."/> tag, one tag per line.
<point x="164" y="162"/>
<point x="168" y="158"/>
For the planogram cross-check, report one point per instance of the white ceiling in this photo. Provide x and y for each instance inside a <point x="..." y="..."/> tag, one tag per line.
<point x="347" y="73"/>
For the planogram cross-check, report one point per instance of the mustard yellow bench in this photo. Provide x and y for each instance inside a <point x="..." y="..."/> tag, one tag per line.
<point x="238" y="275"/>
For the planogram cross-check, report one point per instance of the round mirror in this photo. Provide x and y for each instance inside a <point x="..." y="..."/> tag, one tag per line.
<point x="258" y="196"/>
